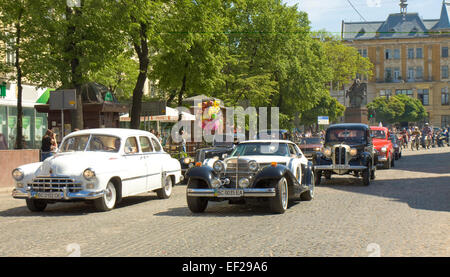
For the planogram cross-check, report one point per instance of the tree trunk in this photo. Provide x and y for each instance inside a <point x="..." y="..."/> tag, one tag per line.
<point x="19" y="135"/>
<point x="77" y="120"/>
<point x="144" y="61"/>
<point x="183" y="86"/>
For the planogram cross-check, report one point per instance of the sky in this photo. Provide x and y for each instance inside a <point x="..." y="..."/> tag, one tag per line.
<point x="328" y="14"/>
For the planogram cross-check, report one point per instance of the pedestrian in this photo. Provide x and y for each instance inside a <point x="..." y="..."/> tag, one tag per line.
<point x="183" y="141"/>
<point x="49" y="145"/>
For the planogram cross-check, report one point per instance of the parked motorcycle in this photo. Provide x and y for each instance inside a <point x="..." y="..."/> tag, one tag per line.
<point x="441" y="140"/>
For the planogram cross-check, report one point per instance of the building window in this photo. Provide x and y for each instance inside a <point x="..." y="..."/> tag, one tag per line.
<point x="423" y="95"/>
<point x="388" y="74"/>
<point x="444" y="52"/>
<point x="397" y="76"/>
<point x="419" y="72"/>
<point x="444" y="96"/>
<point x="444" y="72"/>
<point x="419" y="54"/>
<point x="410" y="53"/>
<point x="445" y="121"/>
<point x="387" y="54"/>
<point x="397" y="54"/>
<point x="410" y="73"/>
<point x="407" y="92"/>
<point x="386" y="93"/>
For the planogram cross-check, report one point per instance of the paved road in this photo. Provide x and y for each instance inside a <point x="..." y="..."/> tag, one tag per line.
<point x="404" y="212"/>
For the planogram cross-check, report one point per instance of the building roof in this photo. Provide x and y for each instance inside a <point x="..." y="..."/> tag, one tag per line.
<point x="397" y="25"/>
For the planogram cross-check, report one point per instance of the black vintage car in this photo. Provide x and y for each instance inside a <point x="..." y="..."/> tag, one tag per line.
<point x="348" y="149"/>
<point x="275" y="172"/>
<point x="222" y="146"/>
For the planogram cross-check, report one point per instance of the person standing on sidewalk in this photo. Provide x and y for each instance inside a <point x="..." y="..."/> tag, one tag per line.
<point x="49" y="145"/>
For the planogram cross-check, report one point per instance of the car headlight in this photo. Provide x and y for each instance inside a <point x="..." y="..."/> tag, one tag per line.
<point x="18" y="174"/>
<point x="327" y="152"/>
<point x="244" y="183"/>
<point x="187" y="160"/>
<point x="253" y="166"/>
<point x="218" y="166"/>
<point x="216" y="183"/>
<point x="317" y="149"/>
<point x="353" y="152"/>
<point x="88" y="174"/>
<point x="383" y="149"/>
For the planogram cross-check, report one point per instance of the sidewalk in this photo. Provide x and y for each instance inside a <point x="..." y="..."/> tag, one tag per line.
<point x="6" y="190"/>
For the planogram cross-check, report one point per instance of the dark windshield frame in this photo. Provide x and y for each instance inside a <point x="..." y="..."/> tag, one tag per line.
<point x="358" y="139"/>
<point x="239" y="152"/>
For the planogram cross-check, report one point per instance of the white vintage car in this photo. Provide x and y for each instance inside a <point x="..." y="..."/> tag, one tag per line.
<point x="272" y="170"/>
<point x="102" y="165"/>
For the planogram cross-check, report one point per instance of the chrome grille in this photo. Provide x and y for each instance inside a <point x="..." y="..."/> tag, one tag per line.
<point x="235" y="170"/>
<point x="339" y="155"/>
<point x="54" y="184"/>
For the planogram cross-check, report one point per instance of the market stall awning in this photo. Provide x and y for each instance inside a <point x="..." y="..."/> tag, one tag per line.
<point x="170" y="116"/>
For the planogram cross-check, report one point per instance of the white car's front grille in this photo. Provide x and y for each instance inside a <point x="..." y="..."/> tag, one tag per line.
<point x="54" y="184"/>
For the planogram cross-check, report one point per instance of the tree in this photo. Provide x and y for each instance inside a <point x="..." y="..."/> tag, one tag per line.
<point x="16" y="17"/>
<point x="327" y="106"/>
<point x="190" y="52"/>
<point x="73" y="43"/>
<point x="399" y="108"/>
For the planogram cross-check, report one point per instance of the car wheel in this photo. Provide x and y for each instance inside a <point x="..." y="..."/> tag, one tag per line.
<point x="387" y="165"/>
<point x="309" y="194"/>
<point x="36" y="205"/>
<point x="397" y="156"/>
<point x="108" y="201"/>
<point x="279" y="203"/>
<point x="393" y="162"/>
<point x="196" y="204"/>
<point x="366" y="176"/>
<point x="328" y="175"/>
<point x="166" y="191"/>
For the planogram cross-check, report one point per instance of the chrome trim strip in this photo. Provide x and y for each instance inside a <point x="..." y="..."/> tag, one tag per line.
<point x="343" y="167"/>
<point x="249" y="192"/>
<point x="138" y="177"/>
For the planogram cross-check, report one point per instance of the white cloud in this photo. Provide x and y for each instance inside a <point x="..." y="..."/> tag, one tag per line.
<point x="373" y="3"/>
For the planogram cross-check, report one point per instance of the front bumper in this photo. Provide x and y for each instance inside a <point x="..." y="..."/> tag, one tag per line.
<point x="248" y="192"/>
<point x="27" y="193"/>
<point x="339" y="167"/>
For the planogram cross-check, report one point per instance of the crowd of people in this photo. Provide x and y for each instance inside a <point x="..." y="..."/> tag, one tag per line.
<point x="436" y="136"/>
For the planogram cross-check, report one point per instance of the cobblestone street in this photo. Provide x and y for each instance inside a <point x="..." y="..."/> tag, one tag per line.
<point x="405" y="211"/>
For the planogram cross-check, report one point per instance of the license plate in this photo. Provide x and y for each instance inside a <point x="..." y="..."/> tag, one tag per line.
<point x="48" y="195"/>
<point x="230" y="193"/>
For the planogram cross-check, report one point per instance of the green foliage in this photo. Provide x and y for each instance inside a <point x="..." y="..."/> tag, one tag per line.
<point x="399" y="108"/>
<point x="327" y="106"/>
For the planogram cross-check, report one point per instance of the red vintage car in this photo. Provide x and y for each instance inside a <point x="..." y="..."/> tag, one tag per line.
<point x="384" y="147"/>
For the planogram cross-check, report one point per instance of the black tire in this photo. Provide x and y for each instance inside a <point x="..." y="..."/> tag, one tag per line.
<point x="317" y="178"/>
<point x="387" y="165"/>
<point x="196" y="204"/>
<point x="328" y="175"/>
<point x="279" y="203"/>
<point x="166" y="191"/>
<point x="109" y="200"/>
<point x="397" y="156"/>
<point x="309" y="194"/>
<point x="366" y="176"/>
<point x="393" y="162"/>
<point x="36" y="205"/>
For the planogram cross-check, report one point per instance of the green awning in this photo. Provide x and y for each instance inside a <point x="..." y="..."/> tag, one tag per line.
<point x="44" y="97"/>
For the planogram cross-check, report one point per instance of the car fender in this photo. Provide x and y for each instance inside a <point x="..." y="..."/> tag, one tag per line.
<point x="273" y="173"/>
<point x="366" y="157"/>
<point x="203" y="173"/>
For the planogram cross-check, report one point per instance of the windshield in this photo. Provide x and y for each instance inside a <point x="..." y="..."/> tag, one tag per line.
<point x="311" y="141"/>
<point x="101" y="143"/>
<point x="258" y="149"/>
<point x="345" y="135"/>
<point x="379" y="134"/>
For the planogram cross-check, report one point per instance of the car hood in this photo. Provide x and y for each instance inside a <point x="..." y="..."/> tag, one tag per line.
<point x="378" y="143"/>
<point x="74" y="163"/>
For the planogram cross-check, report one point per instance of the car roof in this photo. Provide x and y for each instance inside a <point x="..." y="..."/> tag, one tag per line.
<point x="119" y="132"/>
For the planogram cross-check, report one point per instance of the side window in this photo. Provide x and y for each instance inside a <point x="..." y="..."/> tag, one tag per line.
<point x="146" y="146"/>
<point x="156" y="145"/>
<point x="131" y="146"/>
<point x="292" y="150"/>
